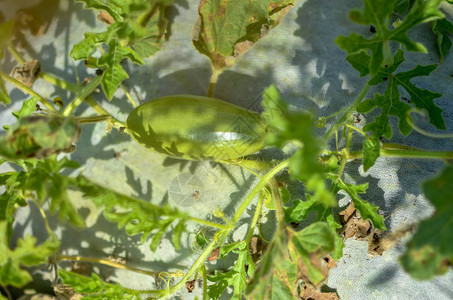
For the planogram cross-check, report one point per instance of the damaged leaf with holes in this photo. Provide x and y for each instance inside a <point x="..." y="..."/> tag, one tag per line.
<point x="225" y="30"/>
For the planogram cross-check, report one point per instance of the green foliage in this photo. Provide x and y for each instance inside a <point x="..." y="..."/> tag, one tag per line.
<point x="27" y="253"/>
<point x="367" y="210"/>
<point x="297" y="127"/>
<point x="442" y="28"/>
<point x="377" y="13"/>
<point x="392" y="104"/>
<point x="247" y="22"/>
<point x="371" y="151"/>
<point x="137" y="31"/>
<point x="430" y="251"/>
<point x="93" y="288"/>
<point x="300" y="210"/>
<point x="39" y="136"/>
<point x="136" y="215"/>
<point x="44" y="178"/>
<point x="237" y="276"/>
<point x="290" y="258"/>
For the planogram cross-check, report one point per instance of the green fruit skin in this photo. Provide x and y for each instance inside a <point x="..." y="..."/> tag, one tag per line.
<point x="197" y="128"/>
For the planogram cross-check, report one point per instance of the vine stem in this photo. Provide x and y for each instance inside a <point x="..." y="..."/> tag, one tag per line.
<point x="85" y="92"/>
<point x="205" y="281"/>
<point x="43" y="214"/>
<point x="106" y="262"/>
<point x="261" y="184"/>
<point x="408" y="154"/>
<point x="348" y="112"/>
<point x="76" y="90"/>
<point x="28" y="90"/>
<point x="209" y="223"/>
<point x="422" y="131"/>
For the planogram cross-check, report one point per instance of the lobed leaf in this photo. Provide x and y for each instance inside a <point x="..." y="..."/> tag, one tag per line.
<point x="236" y="277"/>
<point x="136" y="32"/>
<point x="377" y="13"/>
<point x="367" y="210"/>
<point x="391" y="102"/>
<point x="135" y="215"/>
<point x="94" y="288"/>
<point x="27" y="253"/>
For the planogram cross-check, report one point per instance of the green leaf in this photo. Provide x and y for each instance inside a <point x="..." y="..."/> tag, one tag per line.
<point x="300" y="210"/>
<point x="430" y="251"/>
<point x="297" y="128"/>
<point x="371" y="151"/>
<point x="227" y="29"/>
<point x="135" y="215"/>
<point x="378" y="13"/>
<point x="113" y="8"/>
<point x="360" y="61"/>
<point x="39" y="136"/>
<point x="26" y="253"/>
<point x="442" y="28"/>
<point x="391" y="103"/>
<point x="86" y="47"/>
<point x="236" y="277"/>
<point x="94" y="288"/>
<point x="137" y="33"/>
<point x="367" y="210"/>
<point x="28" y="107"/>
<point x="114" y="73"/>
<point x="312" y="244"/>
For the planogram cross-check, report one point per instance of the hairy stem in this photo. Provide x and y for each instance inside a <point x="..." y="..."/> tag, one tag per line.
<point x="408" y="154"/>
<point x="106" y="262"/>
<point x="85" y="92"/>
<point x="209" y="223"/>
<point x="28" y="90"/>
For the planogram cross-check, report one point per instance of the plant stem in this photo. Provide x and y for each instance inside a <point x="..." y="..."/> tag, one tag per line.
<point x="256" y="216"/>
<point x="348" y="112"/>
<point x="74" y="88"/>
<point x="85" y="92"/>
<point x="28" y="90"/>
<point x="213" y="81"/>
<point x="357" y="129"/>
<point x="408" y="154"/>
<point x="106" y="262"/>
<point x="424" y="132"/>
<point x="209" y="223"/>
<point x="94" y="119"/>
<point x="43" y="214"/>
<point x="261" y="184"/>
<point x="16" y="55"/>
<point x="205" y="281"/>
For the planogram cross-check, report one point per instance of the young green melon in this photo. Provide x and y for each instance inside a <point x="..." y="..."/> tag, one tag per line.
<point x="196" y="128"/>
